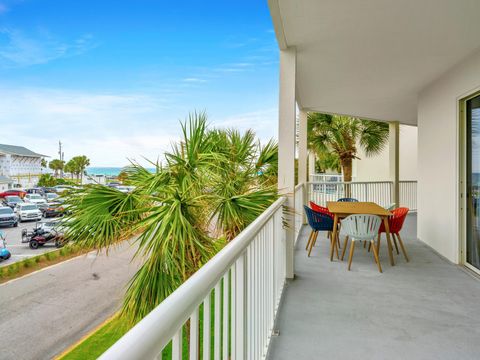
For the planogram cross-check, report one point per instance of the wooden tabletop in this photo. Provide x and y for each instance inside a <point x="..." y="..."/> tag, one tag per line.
<point x="347" y="208"/>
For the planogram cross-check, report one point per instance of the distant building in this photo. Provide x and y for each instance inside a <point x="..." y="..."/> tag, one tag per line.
<point x="19" y="166"/>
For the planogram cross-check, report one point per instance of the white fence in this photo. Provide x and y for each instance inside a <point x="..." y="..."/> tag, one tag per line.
<point x="326" y="177"/>
<point x="238" y="292"/>
<point x="408" y="194"/>
<point x="380" y="192"/>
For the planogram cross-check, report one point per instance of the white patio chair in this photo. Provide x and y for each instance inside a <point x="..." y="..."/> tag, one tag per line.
<point x="361" y="227"/>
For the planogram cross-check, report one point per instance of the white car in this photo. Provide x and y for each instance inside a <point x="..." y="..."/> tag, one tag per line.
<point x="50" y="197"/>
<point x="62" y="188"/>
<point x="28" y="211"/>
<point x="34" y="199"/>
<point x="124" y="189"/>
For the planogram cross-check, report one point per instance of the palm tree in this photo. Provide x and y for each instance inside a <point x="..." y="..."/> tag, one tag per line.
<point x="80" y="163"/>
<point x="340" y="135"/>
<point x="205" y="192"/>
<point x="56" y="165"/>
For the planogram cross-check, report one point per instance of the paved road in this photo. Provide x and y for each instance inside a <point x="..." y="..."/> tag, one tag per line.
<point x="42" y="314"/>
<point x="14" y="243"/>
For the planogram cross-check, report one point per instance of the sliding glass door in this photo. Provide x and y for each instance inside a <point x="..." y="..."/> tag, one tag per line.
<point x="473" y="181"/>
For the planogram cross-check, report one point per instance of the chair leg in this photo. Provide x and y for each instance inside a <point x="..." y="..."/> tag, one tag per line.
<point x="312" y="243"/>
<point x="309" y="239"/>
<point x="402" y="247"/>
<point x="375" y="255"/>
<point x="350" y="255"/>
<point x="370" y="246"/>
<point x="365" y="245"/>
<point x="345" y="243"/>
<point x="395" y="243"/>
<point x="378" y="243"/>
<point x="336" y="247"/>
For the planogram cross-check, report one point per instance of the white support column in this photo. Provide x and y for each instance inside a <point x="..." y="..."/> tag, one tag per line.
<point x="286" y="147"/>
<point x="311" y="164"/>
<point x="302" y="159"/>
<point x="302" y="147"/>
<point x="394" y="157"/>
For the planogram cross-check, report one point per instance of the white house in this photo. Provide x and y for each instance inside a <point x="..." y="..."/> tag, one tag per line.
<point x="21" y="165"/>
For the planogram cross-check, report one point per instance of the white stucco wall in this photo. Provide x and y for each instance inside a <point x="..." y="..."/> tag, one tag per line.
<point x="377" y="168"/>
<point x="438" y="156"/>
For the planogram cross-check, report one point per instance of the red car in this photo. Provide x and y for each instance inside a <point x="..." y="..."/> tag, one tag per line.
<point x="13" y="192"/>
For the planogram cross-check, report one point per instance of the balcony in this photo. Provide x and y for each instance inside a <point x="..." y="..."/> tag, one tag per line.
<point x="240" y="305"/>
<point x="425" y="309"/>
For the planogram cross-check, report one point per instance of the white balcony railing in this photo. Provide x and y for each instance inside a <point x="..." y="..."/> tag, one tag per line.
<point x="380" y="192"/>
<point x="237" y="291"/>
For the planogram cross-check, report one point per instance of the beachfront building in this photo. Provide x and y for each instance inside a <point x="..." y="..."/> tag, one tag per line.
<point x="20" y="165"/>
<point x="411" y="62"/>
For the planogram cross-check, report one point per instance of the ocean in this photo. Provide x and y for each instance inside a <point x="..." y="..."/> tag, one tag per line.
<point x="107" y="171"/>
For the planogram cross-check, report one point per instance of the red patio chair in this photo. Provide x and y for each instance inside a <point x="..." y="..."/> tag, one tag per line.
<point x="395" y="223"/>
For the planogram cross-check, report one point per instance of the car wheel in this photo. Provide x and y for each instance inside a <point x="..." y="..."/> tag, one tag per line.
<point x="15" y="225"/>
<point x="7" y="257"/>
<point x="33" y="244"/>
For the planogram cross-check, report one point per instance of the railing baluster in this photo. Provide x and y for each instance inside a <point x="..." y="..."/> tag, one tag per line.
<point x="207" y="315"/>
<point x="226" y="288"/>
<point x="177" y="345"/>
<point x="193" y="353"/>
<point x="217" y="337"/>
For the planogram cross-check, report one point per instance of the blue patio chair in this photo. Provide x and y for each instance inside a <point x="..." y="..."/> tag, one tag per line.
<point x="318" y="222"/>
<point x="347" y="200"/>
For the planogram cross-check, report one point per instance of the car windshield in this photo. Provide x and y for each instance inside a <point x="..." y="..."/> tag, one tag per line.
<point x="6" y="211"/>
<point x="13" y="199"/>
<point x="35" y="196"/>
<point x="52" y="196"/>
<point x="29" y="207"/>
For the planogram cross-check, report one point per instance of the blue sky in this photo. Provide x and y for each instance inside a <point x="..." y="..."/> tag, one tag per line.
<point x="112" y="79"/>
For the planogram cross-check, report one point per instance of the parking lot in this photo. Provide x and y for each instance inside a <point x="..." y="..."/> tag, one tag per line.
<point x="13" y="236"/>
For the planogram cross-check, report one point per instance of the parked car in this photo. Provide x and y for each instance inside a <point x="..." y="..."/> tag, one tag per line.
<point x="12" y="201"/>
<point x="14" y="192"/>
<point x="37" y="190"/>
<point x="113" y="184"/>
<point x="61" y="188"/>
<point x="124" y="189"/>
<point x="4" y="253"/>
<point x="28" y="211"/>
<point x="8" y="217"/>
<point x="51" y="197"/>
<point x="35" y="199"/>
<point x="53" y="209"/>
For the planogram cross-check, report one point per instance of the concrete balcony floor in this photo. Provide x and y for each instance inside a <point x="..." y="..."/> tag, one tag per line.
<point x="425" y="309"/>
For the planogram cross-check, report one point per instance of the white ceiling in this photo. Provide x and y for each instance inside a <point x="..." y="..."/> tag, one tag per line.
<point x="371" y="58"/>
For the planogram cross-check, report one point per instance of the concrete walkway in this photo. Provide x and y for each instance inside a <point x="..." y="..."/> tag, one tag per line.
<point x="425" y="309"/>
<point x="44" y="313"/>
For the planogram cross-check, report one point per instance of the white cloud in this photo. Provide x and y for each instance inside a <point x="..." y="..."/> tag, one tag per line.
<point x="108" y="128"/>
<point x="264" y="122"/>
<point x="18" y="49"/>
<point x="194" y="80"/>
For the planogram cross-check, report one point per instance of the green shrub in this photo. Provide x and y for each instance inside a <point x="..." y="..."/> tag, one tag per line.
<point x="28" y="263"/>
<point x="13" y="269"/>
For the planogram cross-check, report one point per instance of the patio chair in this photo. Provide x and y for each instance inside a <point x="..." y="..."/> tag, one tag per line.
<point x="347" y="199"/>
<point x="318" y="222"/>
<point x="324" y="210"/>
<point x="361" y="227"/>
<point x="395" y="224"/>
<point x="390" y="207"/>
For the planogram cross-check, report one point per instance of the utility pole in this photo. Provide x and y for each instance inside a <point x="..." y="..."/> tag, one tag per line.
<point x="60" y="155"/>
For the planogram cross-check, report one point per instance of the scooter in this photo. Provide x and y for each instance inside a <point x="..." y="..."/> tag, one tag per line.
<point x="4" y="253"/>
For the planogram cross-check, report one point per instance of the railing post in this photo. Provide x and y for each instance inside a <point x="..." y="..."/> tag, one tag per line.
<point x="394" y="159"/>
<point x="240" y="308"/>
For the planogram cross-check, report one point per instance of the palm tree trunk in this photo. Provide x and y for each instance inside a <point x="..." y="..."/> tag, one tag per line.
<point x="347" y="175"/>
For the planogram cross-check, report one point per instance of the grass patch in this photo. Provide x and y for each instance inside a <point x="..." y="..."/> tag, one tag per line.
<point x="38" y="262"/>
<point x="99" y="341"/>
<point x="107" y="334"/>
